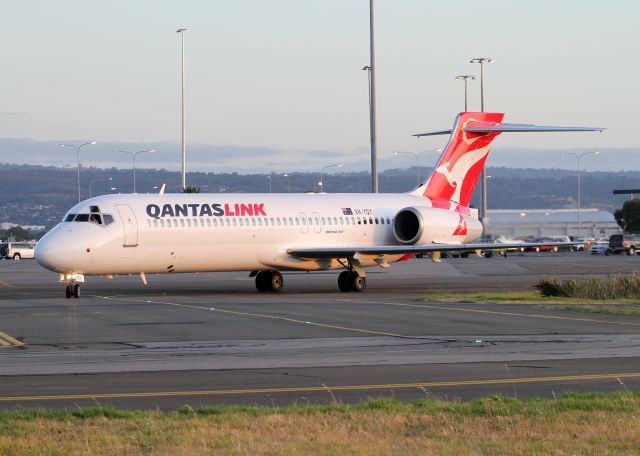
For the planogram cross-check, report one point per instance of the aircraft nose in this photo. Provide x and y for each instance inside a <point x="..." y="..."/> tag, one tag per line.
<point x="49" y="253"/>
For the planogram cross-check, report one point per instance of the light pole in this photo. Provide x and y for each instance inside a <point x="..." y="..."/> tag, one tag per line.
<point x="320" y="183"/>
<point x="78" y="158"/>
<point x="133" y="159"/>
<point x="483" y="202"/>
<point x="418" y="155"/>
<point x="288" y="181"/>
<point x="97" y="180"/>
<point x="371" y="71"/>
<point x="579" y="157"/>
<point x="465" y="78"/>
<point x="269" y="177"/>
<point x="184" y="146"/>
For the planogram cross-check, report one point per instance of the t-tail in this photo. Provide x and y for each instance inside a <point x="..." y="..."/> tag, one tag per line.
<point x="458" y="169"/>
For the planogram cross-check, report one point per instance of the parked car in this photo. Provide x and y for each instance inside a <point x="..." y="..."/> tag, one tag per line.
<point x="600" y="247"/>
<point x="17" y="250"/>
<point x="585" y="243"/>
<point x="544" y="248"/>
<point x="627" y="243"/>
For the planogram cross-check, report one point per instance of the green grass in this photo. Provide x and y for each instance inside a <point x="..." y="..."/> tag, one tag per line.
<point x="517" y="297"/>
<point x="590" y="287"/>
<point x="570" y="423"/>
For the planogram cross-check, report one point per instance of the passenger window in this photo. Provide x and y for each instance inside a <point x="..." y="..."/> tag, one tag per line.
<point x="317" y="220"/>
<point x="297" y="221"/>
<point x="155" y="223"/>
<point x="162" y="223"/>
<point x="284" y="221"/>
<point x="310" y="220"/>
<point x="291" y="221"/>
<point x="272" y="221"/>
<point x="202" y="222"/>
<point x="208" y="222"/>
<point x="370" y="221"/>
<point x="246" y="221"/>
<point x="240" y="222"/>
<point x="182" y="223"/>
<point x="329" y="220"/>
<point x="324" y="221"/>
<point x="266" y="221"/>
<point x="388" y="221"/>
<point x="278" y="220"/>
<point x="253" y="222"/>
<point x="228" y="222"/>
<point x="376" y="220"/>
<point x="304" y="221"/>
<point x="259" y="222"/>
<point x="335" y="220"/>
<point x="235" y="223"/>
<point x="189" y="222"/>
<point x="215" y="222"/>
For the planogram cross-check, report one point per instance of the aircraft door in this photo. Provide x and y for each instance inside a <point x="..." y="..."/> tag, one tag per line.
<point x="304" y="227"/>
<point x="129" y="224"/>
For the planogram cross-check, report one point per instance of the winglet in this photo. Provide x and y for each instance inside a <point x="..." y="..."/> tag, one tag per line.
<point x="161" y="192"/>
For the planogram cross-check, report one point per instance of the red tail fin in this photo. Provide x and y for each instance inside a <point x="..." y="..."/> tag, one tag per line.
<point x="458" y="169"/>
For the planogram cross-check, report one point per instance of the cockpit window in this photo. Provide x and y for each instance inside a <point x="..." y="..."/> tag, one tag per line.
<point x="94" y="209"/>
<point x="93" y="217"/>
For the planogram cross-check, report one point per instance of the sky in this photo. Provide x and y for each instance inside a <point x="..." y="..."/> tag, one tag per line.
<point x="278" y="85"/>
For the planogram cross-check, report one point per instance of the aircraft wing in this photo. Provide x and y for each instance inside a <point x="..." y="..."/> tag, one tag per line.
<point x="349" y="252"/>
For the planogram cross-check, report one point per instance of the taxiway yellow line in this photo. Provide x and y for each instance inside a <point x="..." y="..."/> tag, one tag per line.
<point x="496" y="312"/>
<point x="5" y="284"/>
<point x="7" y="341"/>
<point x="308" y="389"/>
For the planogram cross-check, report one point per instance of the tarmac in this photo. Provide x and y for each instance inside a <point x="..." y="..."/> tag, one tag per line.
<point x="207" y="339"/>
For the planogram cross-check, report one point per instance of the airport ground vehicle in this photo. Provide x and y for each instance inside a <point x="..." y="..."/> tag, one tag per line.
<point x="17" y="250"/>
<point x="269" y="233"/>
<point x="600" y="247"/>
<point x="627" y="243"/>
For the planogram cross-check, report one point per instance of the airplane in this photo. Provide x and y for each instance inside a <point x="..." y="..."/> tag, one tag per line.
<point x="265" y="234"/>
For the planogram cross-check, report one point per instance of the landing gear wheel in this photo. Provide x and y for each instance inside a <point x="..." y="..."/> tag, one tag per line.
<point x="275" y="281"/>
<point x="269" y="281"/>
<point x="343" y="281"/>
<point x="262" y="281"/>
<point x="357" y="282"/>
<point x="76" y="291"/>
<point x="69" y="291"/>
<point x="632" y="251"/>
<point x="16" y="256"/>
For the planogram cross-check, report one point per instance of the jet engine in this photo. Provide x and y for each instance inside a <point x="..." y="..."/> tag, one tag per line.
<point x="426" y="225"/>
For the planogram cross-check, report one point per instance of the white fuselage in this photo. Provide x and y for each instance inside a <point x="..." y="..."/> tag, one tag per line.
<point x="160" y="233"/>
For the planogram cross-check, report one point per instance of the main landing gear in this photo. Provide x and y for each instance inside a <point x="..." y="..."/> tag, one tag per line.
<point x="73" y="289"/>
<point x="269" y="281"/>
<point x="353" y="279"/>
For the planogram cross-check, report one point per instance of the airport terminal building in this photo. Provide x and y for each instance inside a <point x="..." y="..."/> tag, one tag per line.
<point x="513" y="223"/>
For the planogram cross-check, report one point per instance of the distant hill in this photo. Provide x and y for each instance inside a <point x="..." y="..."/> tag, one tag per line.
<point x="40" y="195"/>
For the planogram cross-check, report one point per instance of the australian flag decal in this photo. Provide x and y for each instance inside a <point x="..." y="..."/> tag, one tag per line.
<point x="347" y="211"/>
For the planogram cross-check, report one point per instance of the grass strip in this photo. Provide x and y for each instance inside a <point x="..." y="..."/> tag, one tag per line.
<point x="616" y="286"/>
<point x="606" y="309"/>
<point x="571" y="423"/>
<point x="518" y="297"/>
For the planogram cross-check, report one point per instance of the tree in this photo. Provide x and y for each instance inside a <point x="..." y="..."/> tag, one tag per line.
<point x="190" y="189"/>
<point x="629" y="216"/>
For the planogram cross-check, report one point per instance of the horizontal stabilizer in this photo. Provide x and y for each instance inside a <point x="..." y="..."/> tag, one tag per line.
<point x="523" y="128"/>
<point x="434" y="133"/>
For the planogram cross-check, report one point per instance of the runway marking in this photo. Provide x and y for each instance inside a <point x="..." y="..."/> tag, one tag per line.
<point x="272" y="317"/>
<point x="7" y="341"/>
<point x="324" y="388"/>
<point x="496" y="312"/>
<point x="6" y="284"/>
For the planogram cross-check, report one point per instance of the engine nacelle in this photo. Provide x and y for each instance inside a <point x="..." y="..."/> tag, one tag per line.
<point x="425" y="225"/>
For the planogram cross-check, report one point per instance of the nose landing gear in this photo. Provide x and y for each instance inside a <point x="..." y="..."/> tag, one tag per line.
<point x="73" y="289"/>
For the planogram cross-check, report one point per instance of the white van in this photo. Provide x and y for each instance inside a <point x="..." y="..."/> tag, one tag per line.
<point x="17" y="250"/>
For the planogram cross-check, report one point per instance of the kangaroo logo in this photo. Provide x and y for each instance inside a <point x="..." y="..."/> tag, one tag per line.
<point x="461" y="229"/>
<point x="456" y="174"/>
